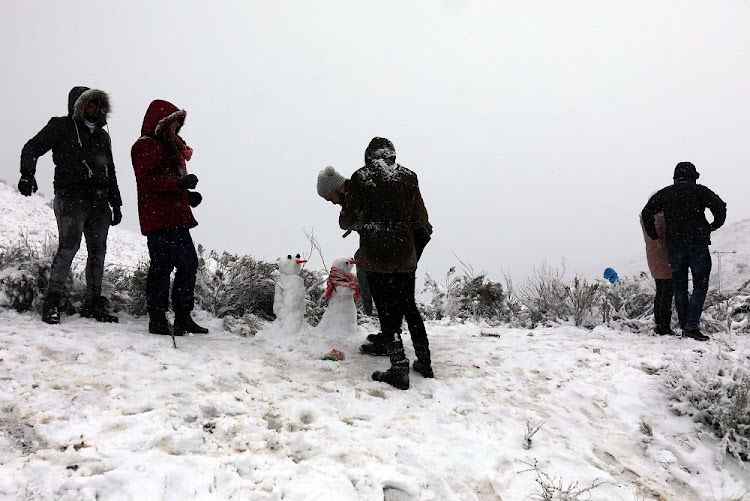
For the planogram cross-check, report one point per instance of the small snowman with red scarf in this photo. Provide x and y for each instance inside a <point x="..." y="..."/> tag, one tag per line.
<point x="339" y="321"/>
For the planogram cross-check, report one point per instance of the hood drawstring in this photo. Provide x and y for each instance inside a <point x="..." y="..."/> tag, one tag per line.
<point x="91" y="173"/>
<point x="77" y="133"/>
<point x="106" y="166"/>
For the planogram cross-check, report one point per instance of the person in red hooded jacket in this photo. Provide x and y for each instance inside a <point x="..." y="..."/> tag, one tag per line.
<point x="160" y="158"/>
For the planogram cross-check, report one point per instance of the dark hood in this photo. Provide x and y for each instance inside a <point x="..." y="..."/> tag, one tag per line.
<point x="159" y="114"/>
<point x="376" y="144"/>
<point x="79" y="97"/>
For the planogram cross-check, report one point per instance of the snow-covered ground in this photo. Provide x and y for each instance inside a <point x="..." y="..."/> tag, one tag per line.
<point x="109" y="412"/>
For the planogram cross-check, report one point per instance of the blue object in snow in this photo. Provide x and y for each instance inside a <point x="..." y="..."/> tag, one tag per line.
<point x="611" y="275"/>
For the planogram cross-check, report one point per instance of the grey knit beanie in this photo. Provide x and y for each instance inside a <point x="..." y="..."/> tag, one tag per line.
<point x="329" y="181"/>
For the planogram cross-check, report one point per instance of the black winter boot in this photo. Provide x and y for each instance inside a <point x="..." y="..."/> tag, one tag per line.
<point x="374" y="349"/>
<point x="423" y="364"/>
<point x="51" y="309"/>
<point x="398" y="375"/>
<point x="694" y="334"/>
<point x="96" y="308"/>
<point x="184" y="323"/>
<point x="424" y="368"/>
<point x="378" y="338"/>
<point x="158" y="324"/>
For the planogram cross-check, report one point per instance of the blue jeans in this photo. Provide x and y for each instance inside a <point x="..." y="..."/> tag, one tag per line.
<point x="171" y="249"/>
<point x="698" y="259"/>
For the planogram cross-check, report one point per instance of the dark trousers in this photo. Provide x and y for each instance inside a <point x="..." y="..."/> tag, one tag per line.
<point x="663" y="305"/>
<point x="171" y="249"/>
<point x="365" y="297"/>
<point x="393" y="294"/>
<point x="77" y="217"/>
<point x="697" y="259"/>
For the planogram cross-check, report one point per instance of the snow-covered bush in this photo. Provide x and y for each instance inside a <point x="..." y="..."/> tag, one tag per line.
<point x="727" y="311"/>
<point x="714" y="389"/>
<point x="24" y="274"/>
<point x="229" y="284"/>
<point x="136" y="287"/>
<point x="546" y="297"/>
<point x="543" y="296"/>
<point x="468" y="296"/>
<point x="315" y="299"/>
<point x="245" y="326"/>
<point x="629" y="303"/>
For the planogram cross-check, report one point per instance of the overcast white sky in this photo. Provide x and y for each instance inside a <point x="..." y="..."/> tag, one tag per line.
<point x="538" y="129"/>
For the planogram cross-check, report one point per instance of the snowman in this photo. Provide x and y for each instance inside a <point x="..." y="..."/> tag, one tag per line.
<point x="289" y="297"/>
<point x="339" y="322"/>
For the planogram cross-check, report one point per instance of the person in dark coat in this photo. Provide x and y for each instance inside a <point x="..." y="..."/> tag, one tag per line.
<point x="331" y="187"/>
<point x="658" y="264"/>
<point x="160" y="158"/>
<point x="384" y="197"/>
<point x="85" y="185"/>
<point x="688" y="235"/>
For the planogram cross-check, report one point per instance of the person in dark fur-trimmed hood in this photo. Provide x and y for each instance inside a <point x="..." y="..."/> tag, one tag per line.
<point x="85" y="187"/>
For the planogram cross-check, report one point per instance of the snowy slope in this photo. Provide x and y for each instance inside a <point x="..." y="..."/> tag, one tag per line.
<point x="735" y="268"/>
<point x="33" y="217"/>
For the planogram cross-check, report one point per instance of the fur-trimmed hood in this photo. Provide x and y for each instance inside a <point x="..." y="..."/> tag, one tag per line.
<point x="159" y="115"/>
<point x="80" y="97"/>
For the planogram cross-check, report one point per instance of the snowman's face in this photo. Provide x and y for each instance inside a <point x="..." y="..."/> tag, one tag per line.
<point x="344" y="264"/>
<point x="291" y="265"/>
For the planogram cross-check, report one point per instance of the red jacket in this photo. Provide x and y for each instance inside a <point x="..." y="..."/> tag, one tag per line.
<point x="161" y="204"/>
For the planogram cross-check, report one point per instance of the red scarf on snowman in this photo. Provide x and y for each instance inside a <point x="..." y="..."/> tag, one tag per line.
<point x="341" y="278"/>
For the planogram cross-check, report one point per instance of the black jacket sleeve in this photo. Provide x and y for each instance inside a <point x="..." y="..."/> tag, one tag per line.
<point x="113" y="191"/>
<point x="654" y="206"/>
<point x="717" y="206"/>
<point x="38" y="145"/>
<point x="422" y="236"/>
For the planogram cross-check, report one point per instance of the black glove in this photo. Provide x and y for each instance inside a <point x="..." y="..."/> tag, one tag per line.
<point x="187" y="182"/>
<point x="421" y="237"/>
<point x="27" y="185"/>
<point x="116" y="215"/>
<point x="195" y="198"/>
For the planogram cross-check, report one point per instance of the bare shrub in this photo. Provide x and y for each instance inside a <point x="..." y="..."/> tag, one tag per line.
<point x="544" y="294"/>
<point x="555" y="489"/>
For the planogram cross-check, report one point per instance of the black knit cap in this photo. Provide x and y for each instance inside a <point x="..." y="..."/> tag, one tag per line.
<point x="378" y="143"/>
<point x="685" y="170"/>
